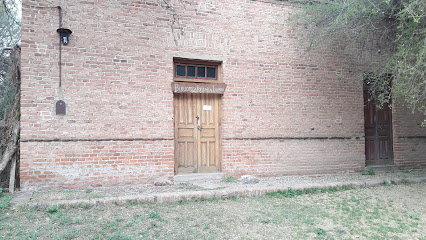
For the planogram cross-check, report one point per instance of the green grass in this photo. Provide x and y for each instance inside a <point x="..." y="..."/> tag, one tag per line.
<point x="189" y="186"/>
<point x="293" y="193"/>
<point x="384" y="212"/>
<point x="4" y="200"/>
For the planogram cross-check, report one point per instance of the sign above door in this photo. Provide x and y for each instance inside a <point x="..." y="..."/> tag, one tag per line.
<point x="186" y="87"/>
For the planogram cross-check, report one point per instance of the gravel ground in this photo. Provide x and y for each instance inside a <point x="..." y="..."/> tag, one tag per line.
<point x="228" y="183"/>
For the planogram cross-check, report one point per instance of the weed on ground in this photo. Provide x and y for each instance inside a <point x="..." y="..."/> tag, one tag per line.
<point x="368" y="171"/>
<point x="230" y="179"/>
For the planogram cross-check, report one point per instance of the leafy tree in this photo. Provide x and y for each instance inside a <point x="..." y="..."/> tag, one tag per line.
<point x="394" y="28"/>
<point x="10" y="22"/>
<point x="10" y="31"/>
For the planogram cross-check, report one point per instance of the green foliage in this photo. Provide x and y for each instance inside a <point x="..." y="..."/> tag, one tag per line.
<point x="265" y="221"/>
<point x="69" y="234"/>
<point x="154" y="215"/>
<point x="7" y="93"/>
<point x="409" y="61"/>
<point x="320" y="231"/>
<point x="10" y="32"/>
<point x="396" y="29"/>
<point x="415" y="216"/>
<point x="368" y="171"/>
<point x="52" y="209"/>
<point x="118" y="236"/>
<point x="4" y="200"/>
<point x="10" y="22"/>
<point x="379" y="87"/>
<point x="84" y="206"/>
<point x="352" y="22"/>
<point x="404" y="180"/>
<point x="233" y="198"/>
<point x="229" y="179"/>
<point x="290" y="193"/>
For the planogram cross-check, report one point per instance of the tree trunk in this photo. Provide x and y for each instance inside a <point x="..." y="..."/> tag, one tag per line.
<point x="12" y="175"/>
<point x="10" y="149"/>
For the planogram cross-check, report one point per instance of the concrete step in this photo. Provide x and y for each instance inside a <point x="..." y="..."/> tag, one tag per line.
<point x="198" y="177"/>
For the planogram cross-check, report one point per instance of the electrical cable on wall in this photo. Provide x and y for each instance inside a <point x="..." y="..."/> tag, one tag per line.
<point x="60" y="46"/>
<point x="59" y="30"/>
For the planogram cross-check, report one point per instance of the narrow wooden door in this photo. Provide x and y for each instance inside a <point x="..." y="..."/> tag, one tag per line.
<point x="197" y="147"/>
<point x="378" y="132"/>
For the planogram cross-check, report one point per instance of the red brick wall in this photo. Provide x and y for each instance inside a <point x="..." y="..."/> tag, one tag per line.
<point x="286" y="110"/>
<point x="272" y="157"/>
<point x="409" y="137"/>
<point x="99" y="163"/>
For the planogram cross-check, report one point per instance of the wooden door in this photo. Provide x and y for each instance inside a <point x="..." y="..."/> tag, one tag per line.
<point x="197" y="147"/>
<point x="378" y="132"/>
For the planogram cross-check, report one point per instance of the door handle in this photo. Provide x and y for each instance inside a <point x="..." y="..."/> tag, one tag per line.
<point x="199" y="128"/>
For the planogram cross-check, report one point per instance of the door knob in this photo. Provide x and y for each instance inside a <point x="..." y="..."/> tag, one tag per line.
<point x="199" y="128"/>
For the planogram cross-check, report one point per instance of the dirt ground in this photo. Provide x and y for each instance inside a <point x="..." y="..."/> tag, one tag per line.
<point x="385" y="212"/>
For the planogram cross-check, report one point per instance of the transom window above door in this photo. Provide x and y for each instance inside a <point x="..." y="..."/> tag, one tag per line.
<point x="194" y="71"/>
<point x="203" y="72"/>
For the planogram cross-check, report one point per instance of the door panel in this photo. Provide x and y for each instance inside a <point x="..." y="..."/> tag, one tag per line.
<point x="208" y="134"/>
<point x="197" y="133"/>
<point x="378" y="132"/>
<point x="185" y="126"/>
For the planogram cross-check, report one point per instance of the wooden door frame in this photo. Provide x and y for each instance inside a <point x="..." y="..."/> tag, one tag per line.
<point x="197" y="133"/>
<point x="216" y="81"/>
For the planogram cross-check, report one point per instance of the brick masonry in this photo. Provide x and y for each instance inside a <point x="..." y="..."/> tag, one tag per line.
<point x="409" y="138"/>
<point x="286" y="110"/>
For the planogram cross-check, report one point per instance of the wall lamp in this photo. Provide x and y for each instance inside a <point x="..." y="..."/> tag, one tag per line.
<point x="64" y="34"/>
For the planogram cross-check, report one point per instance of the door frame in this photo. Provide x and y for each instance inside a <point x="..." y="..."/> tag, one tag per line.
<point x="215" y="86"/>
<point x="197" y="137"/>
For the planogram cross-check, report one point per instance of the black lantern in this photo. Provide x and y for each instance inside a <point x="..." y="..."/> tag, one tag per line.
<point x="64" y="34"/>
